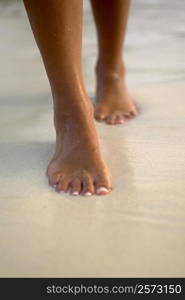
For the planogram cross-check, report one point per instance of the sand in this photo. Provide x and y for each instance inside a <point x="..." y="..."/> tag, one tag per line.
<point x="137" y="230"/>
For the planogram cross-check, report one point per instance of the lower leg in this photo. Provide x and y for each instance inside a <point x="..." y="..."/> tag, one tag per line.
<point x="77" y="163"/>
<point x="113" y="101"/>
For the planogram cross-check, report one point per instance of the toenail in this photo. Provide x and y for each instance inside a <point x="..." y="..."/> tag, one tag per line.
<point x="75" y="193"/>
<point x="88" y="194"/>
<point x="102" y="190"/>
<point x="54" y="186"/>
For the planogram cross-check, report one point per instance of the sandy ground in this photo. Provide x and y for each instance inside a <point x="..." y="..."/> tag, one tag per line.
<point x="137" y="230"/>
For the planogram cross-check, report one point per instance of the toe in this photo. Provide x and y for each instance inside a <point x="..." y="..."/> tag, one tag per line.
<point x="128" y="115"/>
<point x="111" y="120"/>
<point x="76" y="187"/>
<point x="99" y="113"/>
<point x="63" y="184"/>
<point x="88" y="186"/>
<point x="134" y="111"/>
<point x="54" y="179"/>
<point x="103" y="185"/>
<point x="119" y="120"/>
<point x="102" y="191"/>
<point x="99" y="117"/>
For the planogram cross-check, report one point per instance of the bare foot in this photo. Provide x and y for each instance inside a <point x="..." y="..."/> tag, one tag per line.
<point x="77" y="164"/>
<point x="114" y="104"/>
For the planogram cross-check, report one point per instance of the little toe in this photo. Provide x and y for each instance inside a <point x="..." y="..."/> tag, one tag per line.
<point x="128" y="115"/>
<point x="53" y="179"/>
<point x="88" y="186"/>
<point x="63" y="184"/>
<point x="76" y="187"/>
<point x="133" y="113"/>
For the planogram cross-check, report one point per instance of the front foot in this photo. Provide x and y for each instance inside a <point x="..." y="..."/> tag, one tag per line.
<point x="77" y="165"/>
<point x="114" y="104"/>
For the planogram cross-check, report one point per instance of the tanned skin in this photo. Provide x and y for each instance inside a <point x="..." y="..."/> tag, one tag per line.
<point x="77" y="165"/>
<point x="114" y="104"/>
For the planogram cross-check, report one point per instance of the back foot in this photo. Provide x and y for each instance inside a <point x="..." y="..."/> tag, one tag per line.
<point x="114" y="104"/>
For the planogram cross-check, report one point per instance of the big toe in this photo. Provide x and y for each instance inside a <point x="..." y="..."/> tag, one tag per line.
<point x="99" y="113"/>
<point x="103" y="185"/>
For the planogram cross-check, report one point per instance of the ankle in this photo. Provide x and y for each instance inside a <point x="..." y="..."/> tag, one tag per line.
<point x="113" y="72"/>
<point x="75" y="112"/>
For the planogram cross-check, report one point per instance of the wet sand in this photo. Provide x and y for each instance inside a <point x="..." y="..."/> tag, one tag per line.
<point x="137" y="230"/>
